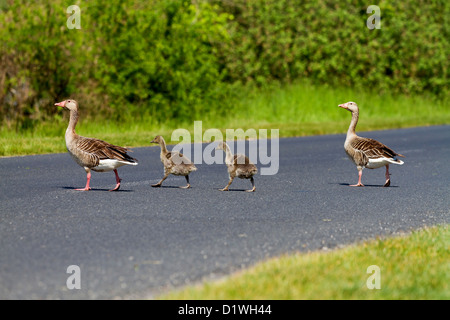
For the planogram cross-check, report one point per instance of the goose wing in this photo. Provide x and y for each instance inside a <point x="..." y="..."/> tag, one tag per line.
<point x="244" y="165"/>
<point x="100" y="150"/>
<point x="373" y="149"/>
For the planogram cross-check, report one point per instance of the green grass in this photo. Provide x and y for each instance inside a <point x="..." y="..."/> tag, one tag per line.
<point x="296" y="110"/>
<point x="414" y="266"/>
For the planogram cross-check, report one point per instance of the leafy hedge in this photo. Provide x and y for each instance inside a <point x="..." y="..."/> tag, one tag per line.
<point x="328" y="41"/>
<point x="130" y="58"/>
<point x="179" y="59"/>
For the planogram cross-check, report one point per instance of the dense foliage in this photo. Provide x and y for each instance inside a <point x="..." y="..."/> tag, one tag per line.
<point x="328" y="41"/>
<point x="180" y="59"/>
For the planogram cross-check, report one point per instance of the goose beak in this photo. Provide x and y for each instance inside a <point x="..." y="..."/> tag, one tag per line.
<point x="344" y="105"/>
<point x="61" y="104"/>
<point x="153" y="141"/>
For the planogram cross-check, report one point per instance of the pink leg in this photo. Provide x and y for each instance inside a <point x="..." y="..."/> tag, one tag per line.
<point x="359" y="180"/>
<point x="388" y="179"/>
<point x="86" y="188"/>
<point x="117" y="181"/>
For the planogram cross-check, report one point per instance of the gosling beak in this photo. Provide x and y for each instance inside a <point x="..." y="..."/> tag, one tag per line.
<point x="153" y="141"/>
<point x="61" y="104"/>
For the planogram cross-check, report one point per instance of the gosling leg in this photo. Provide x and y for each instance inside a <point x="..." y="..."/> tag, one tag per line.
<point x="229" y="182"/>
<point x="161" y="181"/>
<point x="253" y="185"/>
<point x="188" y="184"/>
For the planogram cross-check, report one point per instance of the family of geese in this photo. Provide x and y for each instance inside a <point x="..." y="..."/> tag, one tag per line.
<point x="100" y="156"/>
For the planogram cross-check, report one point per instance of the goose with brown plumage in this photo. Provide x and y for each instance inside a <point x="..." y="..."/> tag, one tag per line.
<point x="365" y="152"/>
<point x="238" y="166"/>
<point x="174" y="163"/>
<point x="93" y="154"/>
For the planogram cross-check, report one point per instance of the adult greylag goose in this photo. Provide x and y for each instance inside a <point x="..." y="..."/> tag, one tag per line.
<point x="174" y="163"/>
<point x="238" y="166"/>
<point x="365" y="152"/>
<point x="93" y="154"/>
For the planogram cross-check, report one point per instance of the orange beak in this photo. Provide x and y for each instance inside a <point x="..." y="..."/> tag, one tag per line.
<point x="61" y="104"/>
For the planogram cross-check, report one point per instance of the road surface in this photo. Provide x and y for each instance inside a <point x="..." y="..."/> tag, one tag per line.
<point x="141" y="241"/>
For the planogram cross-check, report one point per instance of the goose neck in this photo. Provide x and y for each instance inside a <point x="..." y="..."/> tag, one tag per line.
<point x="74" y="116"/>
<point x="352" y="128"/>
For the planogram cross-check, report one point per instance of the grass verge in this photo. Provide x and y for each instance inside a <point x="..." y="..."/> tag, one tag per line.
<point x="296" y="110"/>
<point x="413" y="266"/>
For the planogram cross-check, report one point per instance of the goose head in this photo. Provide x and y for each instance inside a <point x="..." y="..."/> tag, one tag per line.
<point x="68" y="105"/>
<point x="158" y="139"/>
<point x="350" y="106"/>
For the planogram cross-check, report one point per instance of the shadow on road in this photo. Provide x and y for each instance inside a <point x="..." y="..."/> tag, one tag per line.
<point x="366" y="185"/>
<point x="95" y="189"/>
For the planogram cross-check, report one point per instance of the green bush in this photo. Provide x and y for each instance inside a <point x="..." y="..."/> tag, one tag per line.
<point x="329" y="42"/>
<point x="157" y="59"/>
<point x="148" y="59"/>
<point x="37" y="62"/>
<point x="179" y="60"/>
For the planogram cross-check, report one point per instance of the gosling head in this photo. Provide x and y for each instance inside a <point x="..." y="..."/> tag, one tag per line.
<point x="68" y="105"/>
<point x="350" y="106"/>
<point x="158" y="139"/>
<point x="221" y="146"/>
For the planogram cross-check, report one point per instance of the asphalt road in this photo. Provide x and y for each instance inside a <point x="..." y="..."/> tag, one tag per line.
<point x="141" y="241"/>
